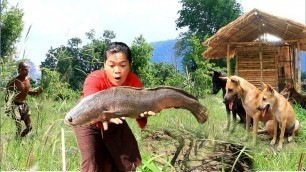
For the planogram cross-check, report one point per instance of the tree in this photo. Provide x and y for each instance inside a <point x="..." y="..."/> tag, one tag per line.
<point x="142" y="54"/>
<point x="204" y="17"/>
<point x="73" y="62"/>
<point x="198" y="79"/>
<point x="11" y="29"/>
<point x="51" y="60"/>
<point x="108" y="36"/>
<point x="303" y="76"/>
<point x="11" y="26"/>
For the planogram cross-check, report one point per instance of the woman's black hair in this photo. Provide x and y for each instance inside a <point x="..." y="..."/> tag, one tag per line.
<point x="116" y="47"/>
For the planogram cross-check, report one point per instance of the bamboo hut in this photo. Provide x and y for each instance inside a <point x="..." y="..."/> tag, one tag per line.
<point x="257" y="58"/>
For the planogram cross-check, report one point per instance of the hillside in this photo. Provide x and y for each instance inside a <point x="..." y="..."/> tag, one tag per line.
<point x="164" y="52"/>
<point x="35" y="72"/>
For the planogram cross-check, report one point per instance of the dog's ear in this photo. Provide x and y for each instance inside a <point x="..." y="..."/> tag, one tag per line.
<point x="270" y="89"/>
<point x="235" y="80"/>
<point x="224" y="78"/>
<point x="217" y="73"/>
<point x="263" y="85"/>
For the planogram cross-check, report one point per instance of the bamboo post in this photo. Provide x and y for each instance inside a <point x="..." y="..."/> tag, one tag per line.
<point x="228" y="61"/>
<point x="276" y="67"/>
<point x="236" y="65"/>
<point x="260" y="59"/>
<point x="299" y="68"/>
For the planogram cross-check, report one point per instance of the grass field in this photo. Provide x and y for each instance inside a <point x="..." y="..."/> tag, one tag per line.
<point x="42" y="149"/>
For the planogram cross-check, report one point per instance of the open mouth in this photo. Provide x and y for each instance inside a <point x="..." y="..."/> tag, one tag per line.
<point x="264" y="111"/>
<point x="231" y="103"/>
<point x="117" y="78"/>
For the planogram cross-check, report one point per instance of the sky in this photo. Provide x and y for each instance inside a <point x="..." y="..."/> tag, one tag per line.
<point x="54" y="22"/>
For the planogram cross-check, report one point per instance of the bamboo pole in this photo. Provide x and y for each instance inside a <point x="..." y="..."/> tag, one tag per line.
<point x="299" y="68"/>
<point x="236" y="68"/>
<point x="260" y="59"/>
<point x="264" y="42"/>
<point x="276" y="68"/>
<point x="228" y="61"/>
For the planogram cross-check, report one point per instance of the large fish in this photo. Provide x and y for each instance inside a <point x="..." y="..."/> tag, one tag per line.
<point x="126" y="101"/>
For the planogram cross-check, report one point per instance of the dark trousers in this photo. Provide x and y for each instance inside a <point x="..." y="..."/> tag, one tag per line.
<point x="112" y="150"/>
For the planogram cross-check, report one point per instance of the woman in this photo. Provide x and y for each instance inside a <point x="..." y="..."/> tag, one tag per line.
<point x="108" y="146"/>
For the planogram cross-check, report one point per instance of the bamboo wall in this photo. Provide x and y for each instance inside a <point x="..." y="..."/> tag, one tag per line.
<point x="266" y="63"/>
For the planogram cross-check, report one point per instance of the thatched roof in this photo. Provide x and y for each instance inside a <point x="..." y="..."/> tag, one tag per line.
<point x="248" y="28"/>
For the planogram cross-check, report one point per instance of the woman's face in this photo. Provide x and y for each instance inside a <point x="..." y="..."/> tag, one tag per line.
<point x="117" y="68"/>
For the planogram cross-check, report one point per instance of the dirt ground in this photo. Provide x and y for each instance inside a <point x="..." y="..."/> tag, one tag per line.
<point x="193" y="154"/>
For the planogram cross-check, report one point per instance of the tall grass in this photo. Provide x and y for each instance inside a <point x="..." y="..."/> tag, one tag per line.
<point x="42" y="150"/>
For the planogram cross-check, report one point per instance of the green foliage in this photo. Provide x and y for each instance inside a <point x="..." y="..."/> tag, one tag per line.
<point x="54" y="88"/>
<point x="198" y="79"/>
<point x="7" y="72"/>
<point x="11" y="29"/>
<point x="204" y="17"/>
<point x="150" y="165"/>
<point x="159" y="74"/>
<point x="303" y="77"/>
<point x="74" y="62"/>
<point x="41" y="149"/>
<point x="141" y="54"/>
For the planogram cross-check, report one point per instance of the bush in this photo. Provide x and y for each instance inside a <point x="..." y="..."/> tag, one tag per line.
<point x="54" y="88"/>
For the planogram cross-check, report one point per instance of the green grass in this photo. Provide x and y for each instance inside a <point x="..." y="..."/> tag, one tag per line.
<point x="41" y="150"/>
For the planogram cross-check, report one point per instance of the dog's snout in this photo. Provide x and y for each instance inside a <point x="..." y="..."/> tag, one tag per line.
<point x="258" y="108"/>
<point x="225" y="99"/>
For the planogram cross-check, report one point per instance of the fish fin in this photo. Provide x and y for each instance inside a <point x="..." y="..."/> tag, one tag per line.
<point x="114" y="114"/>
<point x="108" y="112"/>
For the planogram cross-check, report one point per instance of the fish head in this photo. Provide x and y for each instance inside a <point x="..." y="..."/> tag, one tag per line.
<point x="201" y="114"/>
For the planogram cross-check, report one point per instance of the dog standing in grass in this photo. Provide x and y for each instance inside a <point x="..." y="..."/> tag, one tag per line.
<point x="250" y="97"/>
<point x="219" y="80"/>
<point x="283" y="113"/>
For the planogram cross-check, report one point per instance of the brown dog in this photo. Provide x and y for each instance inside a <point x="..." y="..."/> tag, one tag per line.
<point x="284" y="117"/>
<point x="250" y="97"/>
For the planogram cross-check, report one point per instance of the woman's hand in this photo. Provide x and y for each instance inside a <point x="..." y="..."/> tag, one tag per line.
<point x="120" y="120"/>
<point x="114" y="121"/>
<point x="147" y="114"/>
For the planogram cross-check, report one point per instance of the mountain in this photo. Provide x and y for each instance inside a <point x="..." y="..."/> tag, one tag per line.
<point x="164" y="52"/>
<point x="35" y="72"/>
